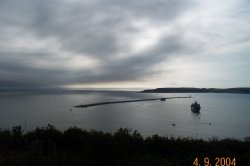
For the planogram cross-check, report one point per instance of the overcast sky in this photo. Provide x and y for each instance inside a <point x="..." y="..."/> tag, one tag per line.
<point x="118" y="43"/>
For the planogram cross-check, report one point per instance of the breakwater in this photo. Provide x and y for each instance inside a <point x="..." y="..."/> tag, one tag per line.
<point x="127" y="101"/>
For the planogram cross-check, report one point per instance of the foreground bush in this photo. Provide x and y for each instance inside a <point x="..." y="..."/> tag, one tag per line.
<point x="75" y="146"/>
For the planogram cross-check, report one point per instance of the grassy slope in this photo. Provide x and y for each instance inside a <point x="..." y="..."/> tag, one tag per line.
<point x="49" y="146"/>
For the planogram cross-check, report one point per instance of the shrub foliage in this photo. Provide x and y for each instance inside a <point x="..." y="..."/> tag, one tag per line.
<point x="75" y="146"/>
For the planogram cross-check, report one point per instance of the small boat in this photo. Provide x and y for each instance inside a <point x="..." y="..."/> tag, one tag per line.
<point x="195" y="107"/>
<point x="163" y="99"/>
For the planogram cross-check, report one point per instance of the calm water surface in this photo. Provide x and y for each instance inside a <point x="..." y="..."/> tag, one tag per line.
<point x="222" y="115"/>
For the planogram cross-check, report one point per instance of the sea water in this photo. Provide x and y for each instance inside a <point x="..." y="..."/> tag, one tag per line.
<point x="221" y="115"/>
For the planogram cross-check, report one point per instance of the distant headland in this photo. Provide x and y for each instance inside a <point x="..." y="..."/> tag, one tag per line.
<point x="198" y="90"/>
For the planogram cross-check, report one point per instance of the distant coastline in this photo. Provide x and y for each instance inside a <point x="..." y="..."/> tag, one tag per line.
<point x="198" y="90"/>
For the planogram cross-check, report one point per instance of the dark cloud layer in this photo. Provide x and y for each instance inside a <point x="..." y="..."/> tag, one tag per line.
<point x="41" y="38"/>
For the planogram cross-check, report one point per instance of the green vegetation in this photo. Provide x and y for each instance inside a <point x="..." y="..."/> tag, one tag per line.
<point x="51" y="147"/>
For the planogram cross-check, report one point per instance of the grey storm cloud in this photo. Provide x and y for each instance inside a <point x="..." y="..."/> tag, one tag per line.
<point x="82" y="27"/>
<point x="89" y="29"/>
<point x="137" y="66"/>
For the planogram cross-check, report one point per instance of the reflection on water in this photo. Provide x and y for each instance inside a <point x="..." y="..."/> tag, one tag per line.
<point x="221" y="115"/>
